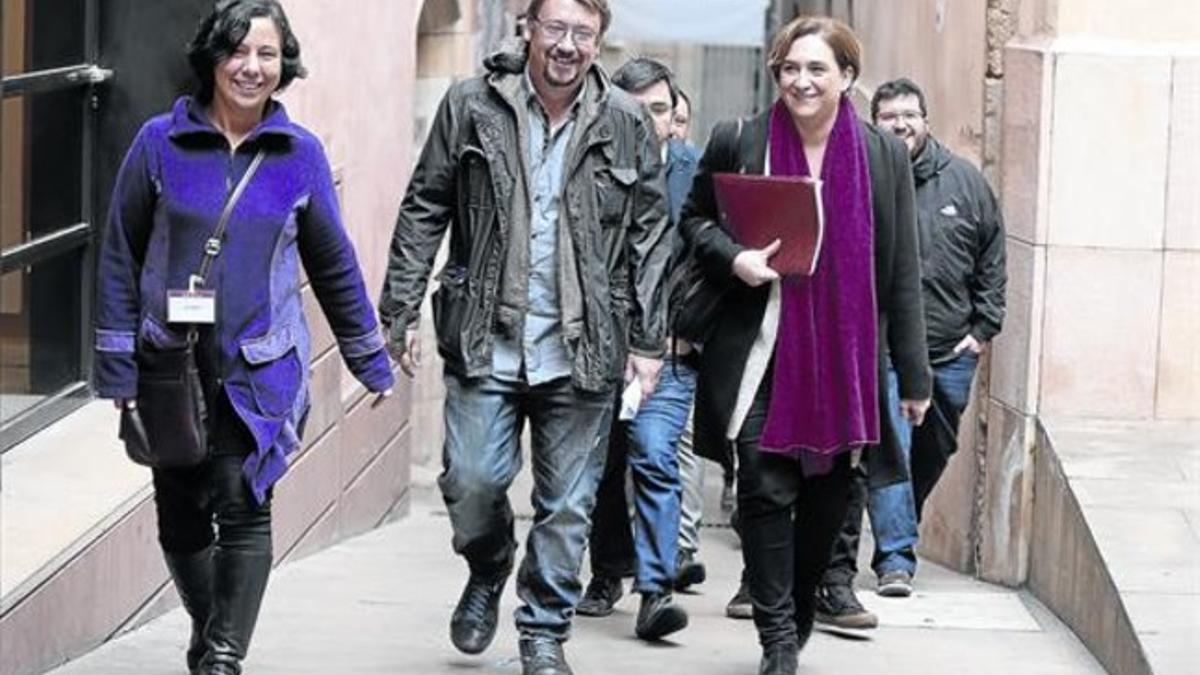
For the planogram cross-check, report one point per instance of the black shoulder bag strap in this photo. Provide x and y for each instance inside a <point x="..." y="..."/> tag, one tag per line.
<point x="212" y="247"/>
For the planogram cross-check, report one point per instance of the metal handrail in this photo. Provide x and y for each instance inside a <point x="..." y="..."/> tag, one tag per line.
<point x="82" y="75"/>
<point x="28" y="253"/>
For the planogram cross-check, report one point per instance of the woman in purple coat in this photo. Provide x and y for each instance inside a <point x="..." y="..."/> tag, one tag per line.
<point x="253" y="358"/>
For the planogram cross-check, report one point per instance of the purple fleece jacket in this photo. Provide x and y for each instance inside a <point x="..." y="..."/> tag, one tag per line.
<point x="168" y="197"/>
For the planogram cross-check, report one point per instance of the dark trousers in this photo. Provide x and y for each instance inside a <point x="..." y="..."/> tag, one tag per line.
<point x="937" y="438"/>
<point x="610" y="543"/>
<point x="190" y="501"/>
<point x="843" y="560"/>
<point x="788" y="522"/>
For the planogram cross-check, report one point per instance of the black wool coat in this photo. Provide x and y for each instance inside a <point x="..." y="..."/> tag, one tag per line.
<point x="741" y="148"/>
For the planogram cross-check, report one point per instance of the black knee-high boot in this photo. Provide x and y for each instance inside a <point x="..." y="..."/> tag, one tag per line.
<point x="240" y="578"/>
<point x="241" y="566"/>
<point x="193" y="577"/>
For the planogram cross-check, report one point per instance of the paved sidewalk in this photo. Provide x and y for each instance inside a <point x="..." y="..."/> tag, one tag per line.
<point x="381" y="604"/>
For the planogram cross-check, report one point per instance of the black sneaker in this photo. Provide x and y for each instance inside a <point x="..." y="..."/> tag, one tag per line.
<point x="473" y="624"/>
<point x="601" y="595"/>
<point x="659" y="616"/>
<point x="688" y="571"/>
<point x="740" y="606"/>
<point x="838" y="606"/>
<point x="543" y="656"/>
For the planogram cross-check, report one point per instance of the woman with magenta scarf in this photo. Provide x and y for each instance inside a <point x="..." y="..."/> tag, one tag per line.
<point x="791" y="378"/>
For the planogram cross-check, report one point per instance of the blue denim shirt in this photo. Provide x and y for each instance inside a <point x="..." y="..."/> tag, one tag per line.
<point x="541" y="346"/>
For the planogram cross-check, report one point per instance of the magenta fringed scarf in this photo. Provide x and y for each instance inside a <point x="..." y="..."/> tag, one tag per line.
<point x="824" y="396"/>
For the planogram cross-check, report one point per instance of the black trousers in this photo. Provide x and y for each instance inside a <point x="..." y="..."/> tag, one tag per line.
<point x="788" y="522"/>
<point x="610" y="542"/>
<point x="843" y="561"/>
<point x="191" y="501"/>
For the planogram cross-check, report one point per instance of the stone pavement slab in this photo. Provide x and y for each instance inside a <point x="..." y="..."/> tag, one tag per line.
<point x="979" y="610"/>
<point x="91" y="479"/>
<point x="1138" y="488"/>
<point x="381" y="603"/>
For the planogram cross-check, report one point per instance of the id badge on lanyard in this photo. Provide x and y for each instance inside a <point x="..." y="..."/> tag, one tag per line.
<point x="194" y="305"/>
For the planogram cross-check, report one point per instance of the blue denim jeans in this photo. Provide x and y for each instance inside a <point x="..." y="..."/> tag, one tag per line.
<point x="937" y="438"/>
<point x="895" y="510"/>
<point x="649" y="449"/>
<point x="891" y="509"/>
<point x="482" y="455"/>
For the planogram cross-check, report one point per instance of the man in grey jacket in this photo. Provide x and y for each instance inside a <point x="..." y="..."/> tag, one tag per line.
<point x="963" y="279"/>
<point x="551" y="183"/>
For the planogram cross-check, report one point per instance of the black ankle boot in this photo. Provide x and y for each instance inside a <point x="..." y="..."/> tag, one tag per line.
<point x="473" y="624"/>
<point x="239" y="580"/>
<point x="193" y="577"/>
<point x="543" y="656"/>
<point x="659" y="616"/>
<point x="779" y="659"/>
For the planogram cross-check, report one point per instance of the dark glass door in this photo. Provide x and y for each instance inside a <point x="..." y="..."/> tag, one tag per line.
<point x="47" y="132"/>
<point x="79" y="78"/>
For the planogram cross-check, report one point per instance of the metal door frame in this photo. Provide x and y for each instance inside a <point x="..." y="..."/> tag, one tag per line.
<point x="71" y="237"/>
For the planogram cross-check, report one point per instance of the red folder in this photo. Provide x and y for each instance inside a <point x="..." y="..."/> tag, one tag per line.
<point x="760" y="209"/>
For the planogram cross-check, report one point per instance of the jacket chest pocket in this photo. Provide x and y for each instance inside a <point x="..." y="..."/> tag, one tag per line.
<point x="614" y="192"/>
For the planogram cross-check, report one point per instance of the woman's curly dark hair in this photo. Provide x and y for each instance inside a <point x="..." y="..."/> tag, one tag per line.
<point x="224" y="29"/>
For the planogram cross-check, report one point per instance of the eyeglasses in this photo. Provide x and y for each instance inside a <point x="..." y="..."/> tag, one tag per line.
<point x="582" y="36"/>
<point x="905" y="115"/>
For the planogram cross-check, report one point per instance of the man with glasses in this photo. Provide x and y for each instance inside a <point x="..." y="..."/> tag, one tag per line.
<point x="552" y="187"/>
<point x="649" y="444"/>
<point x="962" y="274"/>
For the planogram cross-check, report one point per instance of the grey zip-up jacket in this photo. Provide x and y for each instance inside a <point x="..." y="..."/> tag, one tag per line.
<point x="471" y="178"/>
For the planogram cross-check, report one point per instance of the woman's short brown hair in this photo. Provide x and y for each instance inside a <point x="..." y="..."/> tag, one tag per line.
<point x="598" y="6"/>
<point x="847" y="50"/>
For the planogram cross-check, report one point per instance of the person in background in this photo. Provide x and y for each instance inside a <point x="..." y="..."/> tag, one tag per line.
<point x="253" y="359"/>
<point x="551" y="183"/>
<point x="691" y="468"/>
<point x="793" y="375"/>
<point x="649" y="444"/>
<point x="690" y="571"/>
<point x="961" y="233"/>
<point x="681" y="118"/>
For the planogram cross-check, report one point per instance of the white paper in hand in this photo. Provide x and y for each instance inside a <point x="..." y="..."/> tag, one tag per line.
<point x="631" y="400"/>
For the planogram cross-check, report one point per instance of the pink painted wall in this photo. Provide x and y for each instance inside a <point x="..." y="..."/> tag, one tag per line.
<point x="949" y="64"/>
<point x="361" y="58"/>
